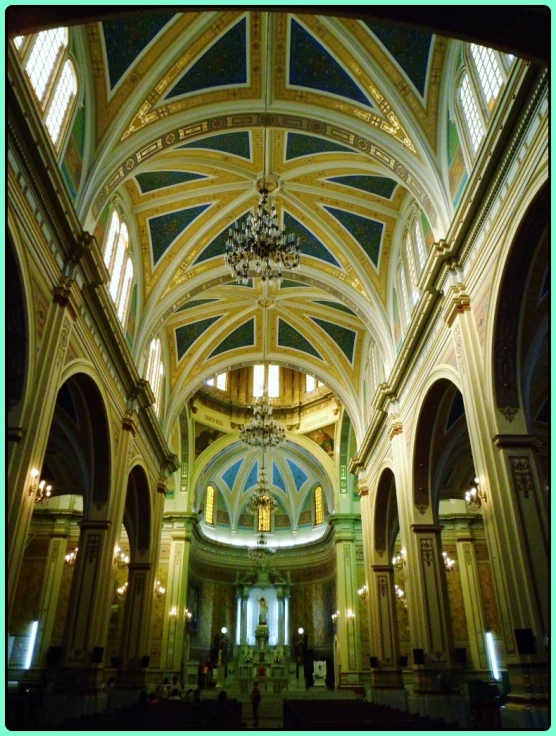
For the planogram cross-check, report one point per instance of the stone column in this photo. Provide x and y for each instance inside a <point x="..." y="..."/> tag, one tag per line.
<point x="136" y="624"/>
<point x="49" y="597"/>
<point x="28" y="453"/>
<point x="281" y="617"/>
<point x="385" y="628"/>
<point x="349" y="640"/>
<point x="472" y="599"/>
<point x="243" y="634"/>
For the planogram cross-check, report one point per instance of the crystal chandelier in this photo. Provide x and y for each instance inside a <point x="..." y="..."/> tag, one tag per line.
<point x="261" y="244"/>
<point x="262" y="430"/>
<point x="261" y="551"/>
<point x="262" y="501"/>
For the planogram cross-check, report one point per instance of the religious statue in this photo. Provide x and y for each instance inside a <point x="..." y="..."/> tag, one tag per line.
<point x="263" y="610"/>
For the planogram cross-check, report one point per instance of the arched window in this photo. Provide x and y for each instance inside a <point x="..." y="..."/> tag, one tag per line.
<point x="319" y="507"/>
<point x="412" y="271"/>
<point x="209" y="506"/>
<point x="220" y="382"/>
<point x="471" y="113"/>
<point x="155" y="372"/>
<point x="269" y="376"/>
<point x="52" y="75"/>
<point x="420" y="243"/>
<point x="119" y="265"/>
<point x="264" y="519"/>
<point x="403" y="289"/>
<point x="488" y="71"/>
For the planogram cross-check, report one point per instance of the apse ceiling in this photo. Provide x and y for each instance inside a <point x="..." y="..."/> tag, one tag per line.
<point x="191" y="109"/>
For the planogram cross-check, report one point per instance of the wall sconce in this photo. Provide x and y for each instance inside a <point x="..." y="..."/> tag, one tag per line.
<point x="158" y="589"/>
<point x="122" y="590"/>
<point x="173" y="612"/>
<point x="121" y="558"/>
<point x="224" y="630"/>
<point x="40" y="489"/>
<point x="70" y="558"/>
<point x="400" y="595"/>
<point x="399" y="560"/>
<point x="475" y="497"/>
<point x="363" y="592"/>
<point x="335" y="617"/>
<point x="448" y="562"/>
<point x="350" y="614"/>
<point x="188" y="614"/>
<point x="301" y="630"/>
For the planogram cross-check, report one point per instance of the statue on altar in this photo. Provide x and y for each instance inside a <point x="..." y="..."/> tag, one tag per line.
<point x="263" y="611"/>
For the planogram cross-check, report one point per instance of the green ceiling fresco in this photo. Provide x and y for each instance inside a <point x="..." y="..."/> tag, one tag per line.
<point x="153" y="180"/>
<point x="289" y="284"/>
<point x="237" y="144"/>
<point x="336" y="305"/>
<point x="188" y="334"/>
<point x="409" y="47"/>
<point x="289" y="337"/>
<point x="367" y="232"/>
<point x="380" y="185"/>
<point x="298" y="475"/>
<point x="124" y="40"/>
<point x="195" y="303"/>
<point x="344" y="338"/>
<point x="308" y="243"/>
<point x="223" y="64"/>
<point x="166" y="228"/>
<point x="298" y="145"/>
<point x="242" y="337"/>
<point x="217" y="247"/>
<point x="312" y="66"/>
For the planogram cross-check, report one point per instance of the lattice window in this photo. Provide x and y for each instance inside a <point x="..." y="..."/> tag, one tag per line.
<point x="412" y="270"/>
<point x="42" y="59"/>
<point x="319" y="508"/>
<point x="264" y="519"/>
<point x="125" y="291"/>
<point x="488" y="71"/>
<point x="420" y="244"/>
<point x="471" y="113"/>
<point x="65" y="91"/>
<point x="403" y="286"/>
<point x="155" y="371"/>
<point x="209" y="506"/>
<point x="18" y="41"/>
<point x="119" y="265"/>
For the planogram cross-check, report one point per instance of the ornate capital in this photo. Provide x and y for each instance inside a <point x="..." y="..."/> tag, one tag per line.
<point x="129" y="421"/>
<point x="66" y="295"/>
<point x="457" y="301"/>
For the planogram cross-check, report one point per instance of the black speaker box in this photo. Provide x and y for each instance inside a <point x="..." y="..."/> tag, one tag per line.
<point x="418" y="656"/>
<point x="373" y="661"/>
<point x="403" y="661"/>
<point x="460" y="655"/>
<point x="97" y="655"/>
<point x="115" y="662"/>
<point x="525" y="641"/>
<point x="145" y="661"/>
<point x="53" y="656"/>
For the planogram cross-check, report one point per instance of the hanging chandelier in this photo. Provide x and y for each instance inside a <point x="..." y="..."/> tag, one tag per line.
<point x="262" y="500"/>
<point x="260" y="244"/>
<point x="261" y="550"/>
<point x="262" y="430"/>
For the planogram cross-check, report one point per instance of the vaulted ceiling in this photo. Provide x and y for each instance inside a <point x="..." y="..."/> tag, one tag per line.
<point x="184" y="113"/>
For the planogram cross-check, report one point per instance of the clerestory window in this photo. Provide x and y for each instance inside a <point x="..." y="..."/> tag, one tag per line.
<point x="119" y="264"/>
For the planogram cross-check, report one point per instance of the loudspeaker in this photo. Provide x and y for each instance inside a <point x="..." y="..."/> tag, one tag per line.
<point x="418" y="656"/>
<point x="97" y="655"/>
<point x="373" y="661"/>
<point x="145" y="661"/>
<point x="460" y="655"/>
<point x="116" y="662"/>
<point x="53" y="656"/>
<point x="525" y="641"/>
<point x="403" y="661"/>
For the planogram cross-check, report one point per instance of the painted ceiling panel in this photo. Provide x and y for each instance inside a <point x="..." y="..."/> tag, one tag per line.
<point x="229" y="477"/>
<point x="195" y="303"/>
<point x="289" y="284"/>
<point x="380" y="185"/>
<point x="277" y="479"/>
<point x="309" y="244"/>
<point x="223" y="64"/>
<point x="252" y="478"/>
<point x="166" y="228"/>
<point x="125" y="39"/>
<point x="218" y="246"/>
<point x="312" y="66"/>
<point x="344" y="338"/>
<point x="289" y="337"/>
<point x="336" y="305"/>
<point x="243" y="336"/>
<point x="298" y="145"/>
<point x="188" y="334"/>
<point x="152" y="180"/>
<point x="367" y="232"/>
<point x="299" y="477"/>
<point x="235" y="143"/>
<point x="409" y="47"/>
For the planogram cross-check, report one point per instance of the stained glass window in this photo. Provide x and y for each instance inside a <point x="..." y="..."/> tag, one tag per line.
<point x="319" y="511"/>
<point x="119" y="265"/>
<point x="420" y="244"/>
<point x="264" y="519"/>
<point x="209" y="507"/>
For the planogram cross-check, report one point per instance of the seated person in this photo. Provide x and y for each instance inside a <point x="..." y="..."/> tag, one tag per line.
<point x="175" y="694"/>
<point x="153" y="700"/>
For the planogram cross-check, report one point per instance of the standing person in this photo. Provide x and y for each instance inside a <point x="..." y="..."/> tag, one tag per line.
<point x="255" y="702"/>
<point x="175" y="685"/>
